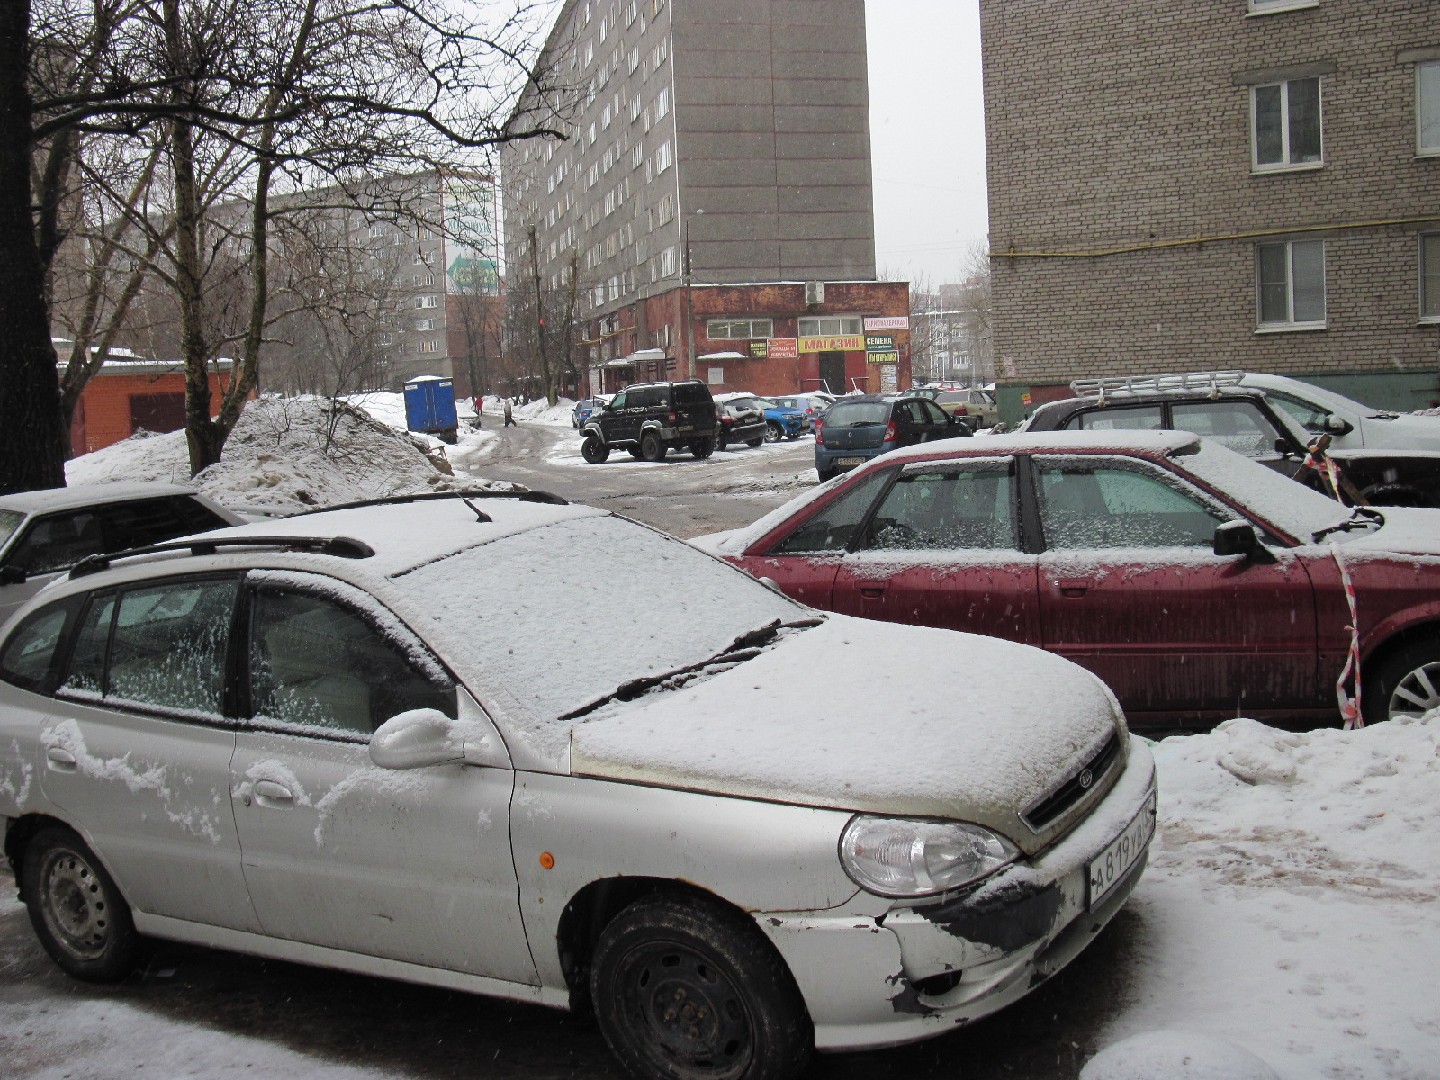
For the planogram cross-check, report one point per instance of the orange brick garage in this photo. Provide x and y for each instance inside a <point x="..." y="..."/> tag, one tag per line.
<point x="128" y="396"/>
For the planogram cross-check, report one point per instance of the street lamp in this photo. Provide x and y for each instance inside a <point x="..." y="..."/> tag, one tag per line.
<point x="689" y="301"/>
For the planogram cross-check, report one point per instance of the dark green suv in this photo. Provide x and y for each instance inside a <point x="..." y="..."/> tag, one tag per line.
<point x="648" y="419"/>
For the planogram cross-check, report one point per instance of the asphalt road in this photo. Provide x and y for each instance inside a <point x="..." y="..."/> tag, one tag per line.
<point x="352" y="1025"/>
<point x="680" y="495"/>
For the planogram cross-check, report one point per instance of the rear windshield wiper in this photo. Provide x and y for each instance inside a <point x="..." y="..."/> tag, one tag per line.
<point x="745" y="647"/>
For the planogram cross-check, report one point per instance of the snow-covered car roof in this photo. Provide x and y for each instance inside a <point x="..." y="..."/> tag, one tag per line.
<point x="68" y="498"/>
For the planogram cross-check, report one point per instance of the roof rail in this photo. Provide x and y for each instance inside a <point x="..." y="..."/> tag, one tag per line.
<point x="1145" y="384"/>
<point x="428" y="496"/>
<point x="344" y="547"/>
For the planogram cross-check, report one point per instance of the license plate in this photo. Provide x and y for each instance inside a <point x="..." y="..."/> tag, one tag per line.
<point x="1109" y="868"/>
<point x="849" y="462"/>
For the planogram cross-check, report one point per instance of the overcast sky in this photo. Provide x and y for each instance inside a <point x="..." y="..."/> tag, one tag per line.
<point x="927" y="136"/>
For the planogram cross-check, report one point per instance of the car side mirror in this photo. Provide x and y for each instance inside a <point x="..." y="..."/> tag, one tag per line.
<point x="1338" y="425"/>
<point x="1284" y="448"/>
<point x="12" y="575"/>
<point x="1240" y="538"/>
<point x="419" y="739"/>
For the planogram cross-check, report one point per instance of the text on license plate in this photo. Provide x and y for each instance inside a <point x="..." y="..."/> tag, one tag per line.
<point x="1109" y="868"/>
<point x="849" y="462"/>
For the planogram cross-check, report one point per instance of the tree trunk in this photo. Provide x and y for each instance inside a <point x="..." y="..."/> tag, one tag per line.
<point x="32" y="451"/>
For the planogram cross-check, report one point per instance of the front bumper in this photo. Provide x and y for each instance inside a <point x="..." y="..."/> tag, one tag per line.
<point x="893" y="973"/>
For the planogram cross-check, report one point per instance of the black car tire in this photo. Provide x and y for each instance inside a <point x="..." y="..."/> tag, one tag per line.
<point x="651" y="448"/>
<point x="773" y="431"/>
<point x="720" y="440"/>
<point x="593" y="450"/>
<point x="826" y="474"/>
<point x="76" y="909"/>
<point x="686" y="988"/>
<point x="702" y="448"/>
<point x="753" y="442"/>
<point x="1411" y="670"/>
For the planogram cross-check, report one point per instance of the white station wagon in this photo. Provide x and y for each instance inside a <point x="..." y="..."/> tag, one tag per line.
<point x="384" y="739"/>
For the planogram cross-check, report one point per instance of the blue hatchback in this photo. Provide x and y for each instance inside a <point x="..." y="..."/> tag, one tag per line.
<point x="781" y="422"/>
<point x="856" y="429"/>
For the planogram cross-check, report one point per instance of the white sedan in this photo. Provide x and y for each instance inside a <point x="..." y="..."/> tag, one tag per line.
<point x="384" y="739"/>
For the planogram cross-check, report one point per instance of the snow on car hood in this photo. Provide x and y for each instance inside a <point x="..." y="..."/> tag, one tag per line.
<point x="867" y="716"/>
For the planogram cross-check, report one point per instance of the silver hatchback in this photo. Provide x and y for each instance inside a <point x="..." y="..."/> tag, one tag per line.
<point x="308" y="740"/>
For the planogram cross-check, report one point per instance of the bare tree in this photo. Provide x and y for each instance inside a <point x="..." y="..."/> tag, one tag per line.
<point x="275" y="95"/>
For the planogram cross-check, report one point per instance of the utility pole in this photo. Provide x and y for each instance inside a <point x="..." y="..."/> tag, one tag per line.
<point x="689" y="299"/>
<point x="539" y="310"/>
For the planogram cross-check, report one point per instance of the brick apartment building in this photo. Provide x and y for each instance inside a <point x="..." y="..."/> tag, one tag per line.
<point x="1198" y="184"/>
<point x="713" y="198"/>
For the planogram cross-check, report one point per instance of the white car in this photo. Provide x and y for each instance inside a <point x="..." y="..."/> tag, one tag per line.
<point x="309" y="740"/>
<point x="1350" y="425"/>
<point x="44" y="533"/>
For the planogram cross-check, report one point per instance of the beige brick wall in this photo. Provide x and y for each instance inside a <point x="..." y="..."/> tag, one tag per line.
<point x="1115" y="125"/>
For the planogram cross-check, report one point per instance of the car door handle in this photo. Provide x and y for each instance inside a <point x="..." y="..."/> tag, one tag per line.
<point x="60" y="760"/>
<point x="269" y="793"/>
<point x="1072" y="587"/>
<point x="871" y="590"/>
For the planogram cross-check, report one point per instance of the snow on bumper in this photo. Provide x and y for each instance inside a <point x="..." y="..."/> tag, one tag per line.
<point x="914" y="972"/>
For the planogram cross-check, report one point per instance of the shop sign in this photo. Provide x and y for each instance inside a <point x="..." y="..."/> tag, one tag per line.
<point x="783" y="348"/>
<point x="888" y="322"/>
<point x="760" y="348"/>
<point x="891" y="357"/>
<point x="845" y="343"/>
<point x="879" y="342"/>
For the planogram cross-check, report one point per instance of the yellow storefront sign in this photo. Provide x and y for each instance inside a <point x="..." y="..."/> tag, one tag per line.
<point x="844" y="343"/>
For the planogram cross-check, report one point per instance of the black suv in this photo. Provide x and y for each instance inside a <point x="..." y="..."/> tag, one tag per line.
<point x="649" y="418"/>
<point x="1248" y="423"/>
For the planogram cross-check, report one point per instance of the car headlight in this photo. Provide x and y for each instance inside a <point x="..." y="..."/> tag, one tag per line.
<point x="909" y="857"/>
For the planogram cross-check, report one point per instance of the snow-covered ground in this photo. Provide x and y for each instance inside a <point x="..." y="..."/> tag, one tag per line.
<point x="1288" y="925"/>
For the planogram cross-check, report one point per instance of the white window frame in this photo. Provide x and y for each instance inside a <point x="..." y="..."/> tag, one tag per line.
<point x="1430" y="277"/>
<point x="1264" y="326"/>
<point x="831" y="326"/>
<point x="739" y="329"/>
<point x="1427" y="77"/>
<point x="1285" y="164"/>
<point x="1267" y="7"/>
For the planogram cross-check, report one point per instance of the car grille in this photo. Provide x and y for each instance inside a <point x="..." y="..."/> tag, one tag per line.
<point x="1086" y="779"/>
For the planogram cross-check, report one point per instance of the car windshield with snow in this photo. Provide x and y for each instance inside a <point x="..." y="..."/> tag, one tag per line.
<point x="301" y="740"/>
<point x="1198" y="584"/>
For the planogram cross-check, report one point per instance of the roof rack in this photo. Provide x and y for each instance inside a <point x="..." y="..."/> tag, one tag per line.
<point x="428" y="496"/>
<point x="1145" y="384"/>
<point x="345" y="547"/>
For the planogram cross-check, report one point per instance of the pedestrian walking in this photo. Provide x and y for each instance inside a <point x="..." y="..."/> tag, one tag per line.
<point x="509" y="415"/>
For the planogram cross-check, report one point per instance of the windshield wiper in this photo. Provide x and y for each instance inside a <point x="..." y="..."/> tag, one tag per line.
<point x="745" y="647"/>
<point x="1362" y="517"/>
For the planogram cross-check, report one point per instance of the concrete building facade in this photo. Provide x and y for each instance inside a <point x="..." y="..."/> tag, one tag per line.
<point x="716" y="144"/>
<point x="1206" y="184"/>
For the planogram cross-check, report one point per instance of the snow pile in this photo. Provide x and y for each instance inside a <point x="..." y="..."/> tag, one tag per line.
<point x="1290" y="905"/>
<point x="284" y="456"/>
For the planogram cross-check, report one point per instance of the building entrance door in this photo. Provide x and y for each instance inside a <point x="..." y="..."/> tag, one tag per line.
<point x="832" y="372"/>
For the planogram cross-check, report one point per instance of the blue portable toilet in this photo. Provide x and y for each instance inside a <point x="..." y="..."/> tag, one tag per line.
<point x="430" y="406"/>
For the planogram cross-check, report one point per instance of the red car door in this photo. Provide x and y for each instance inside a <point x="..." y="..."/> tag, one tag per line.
<point x="805" y="557"/>
<point x="1129" y="588"/>
<point x="941" y="549"/>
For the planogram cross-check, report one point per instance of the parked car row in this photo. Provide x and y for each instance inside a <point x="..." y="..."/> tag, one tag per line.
<point x="399" y="768"/>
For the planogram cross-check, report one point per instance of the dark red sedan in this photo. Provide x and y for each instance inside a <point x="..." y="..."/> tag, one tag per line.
<point x="1198" y="584"/>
